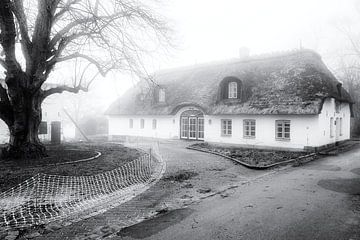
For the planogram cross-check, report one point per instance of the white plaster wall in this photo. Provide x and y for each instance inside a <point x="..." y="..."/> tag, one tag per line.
<point x="303" y="130"/>
<point x="327" y="112"/>
<point x="166" y="127"/>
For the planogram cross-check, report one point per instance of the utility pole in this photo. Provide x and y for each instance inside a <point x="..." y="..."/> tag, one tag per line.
<point x="77" y="126"/>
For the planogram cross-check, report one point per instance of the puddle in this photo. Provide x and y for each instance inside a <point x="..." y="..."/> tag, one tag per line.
<point x="356" y="171"/>
<point x="152" y="226"/>
<point x="324" y="167"/>
<point x="342" y="185"/>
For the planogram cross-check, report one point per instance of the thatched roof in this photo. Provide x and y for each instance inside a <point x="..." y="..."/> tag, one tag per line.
<point x="289" y="83"/>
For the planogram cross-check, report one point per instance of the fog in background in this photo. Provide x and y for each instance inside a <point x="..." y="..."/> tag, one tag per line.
<point x="212" y="30"/>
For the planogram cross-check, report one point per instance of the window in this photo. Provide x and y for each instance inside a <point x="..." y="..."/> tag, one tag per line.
<point x="43" y="128"/>
<point x="131" y="123"/>
<point x="233" y="90"/>
<point x="341" y="126"/>
<point x="249" y="128"/>
<point x="154" y="124"/>
<point x="142" y="123"/>
<point x="226" y="127"/>
<point x="331" y="127"/>
<point x="282" y="129"/>
<point x="161" y="95"/>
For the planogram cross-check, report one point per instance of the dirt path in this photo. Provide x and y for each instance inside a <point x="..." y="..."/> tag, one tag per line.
<point x="320" y="200"/>
<point x="190" y="178"/>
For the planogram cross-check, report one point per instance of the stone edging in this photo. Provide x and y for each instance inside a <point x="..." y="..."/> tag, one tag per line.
<point x="253" y="166"/>
<point x="98" y="154"/>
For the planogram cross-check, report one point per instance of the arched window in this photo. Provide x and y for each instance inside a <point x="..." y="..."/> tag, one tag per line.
<point x="232" y="90"/>
<point x="161" y="95"/>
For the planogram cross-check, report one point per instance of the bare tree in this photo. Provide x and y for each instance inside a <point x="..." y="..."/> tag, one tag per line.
<point x="349" y="73"/>
<point x="112" y="34"/>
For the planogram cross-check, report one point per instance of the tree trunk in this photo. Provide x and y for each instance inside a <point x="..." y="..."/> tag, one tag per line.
<point x="24" y="141"/>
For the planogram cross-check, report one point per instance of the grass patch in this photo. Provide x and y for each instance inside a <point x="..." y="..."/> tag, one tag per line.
<point x="181" y="176"/>
<point x="14" y="171"/>
<point x="251" y="156"/>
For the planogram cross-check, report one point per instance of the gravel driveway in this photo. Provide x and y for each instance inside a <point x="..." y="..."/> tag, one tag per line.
<point x="190" y="178"/>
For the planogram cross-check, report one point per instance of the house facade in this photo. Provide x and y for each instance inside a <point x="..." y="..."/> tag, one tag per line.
<point x="284" y="101"/>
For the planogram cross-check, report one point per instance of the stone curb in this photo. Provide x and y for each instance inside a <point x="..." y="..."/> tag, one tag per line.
<point x="253" y="166"/>
<point x="98" y="154"/>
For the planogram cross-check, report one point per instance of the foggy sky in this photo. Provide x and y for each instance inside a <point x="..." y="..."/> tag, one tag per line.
<point x="210" y="30"/>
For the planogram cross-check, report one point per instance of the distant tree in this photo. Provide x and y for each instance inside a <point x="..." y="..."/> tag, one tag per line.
<point x="38" y="35"/>
<point x="349" y="74"/>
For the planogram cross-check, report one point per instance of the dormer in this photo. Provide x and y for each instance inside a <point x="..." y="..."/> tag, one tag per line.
<point x="230" y="89"/>
<point x="161" y="95"/>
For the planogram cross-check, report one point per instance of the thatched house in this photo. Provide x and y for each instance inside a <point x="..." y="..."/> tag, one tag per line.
<point x="288" y="100"/>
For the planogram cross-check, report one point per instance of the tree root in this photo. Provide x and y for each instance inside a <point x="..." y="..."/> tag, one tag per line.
<point x="25" y="151"/>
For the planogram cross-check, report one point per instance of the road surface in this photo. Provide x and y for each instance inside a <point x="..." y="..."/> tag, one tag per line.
<point x="319" y="200"/>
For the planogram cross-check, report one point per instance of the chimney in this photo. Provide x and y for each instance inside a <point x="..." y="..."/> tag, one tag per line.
<point x="244" y="53"/>
<point x="339" y="85"/>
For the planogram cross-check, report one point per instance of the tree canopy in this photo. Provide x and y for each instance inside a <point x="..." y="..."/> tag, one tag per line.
<point x="36" y="36"/>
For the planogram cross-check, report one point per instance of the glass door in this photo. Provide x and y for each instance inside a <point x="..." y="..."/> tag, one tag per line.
<point x="201" y="128"/>
<point x="184" y="127"/>
<point x="192" y="127"/>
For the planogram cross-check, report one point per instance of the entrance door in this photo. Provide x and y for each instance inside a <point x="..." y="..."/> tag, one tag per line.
<point x="184" y="127"/>
<point x="192" y="127"/>
<point x="201" y="128"/>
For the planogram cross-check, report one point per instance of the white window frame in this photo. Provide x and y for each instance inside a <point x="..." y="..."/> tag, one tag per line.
<point x="131" y="123"/>
<point x="226" y="127"/>
<point x="284" y="125"/>
<point x="232" y="89"/>
<point x="249" y="129"/>
<point x="162" y="95"/>
<point x="154" y="124"/>
<point x="142" y="123"/>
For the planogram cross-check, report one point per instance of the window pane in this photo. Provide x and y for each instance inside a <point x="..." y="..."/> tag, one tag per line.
<point x="287" y="135"/>
<point x="279" y="135"/>
<point x="232" y="90"/>
<point x="161" y="95"/>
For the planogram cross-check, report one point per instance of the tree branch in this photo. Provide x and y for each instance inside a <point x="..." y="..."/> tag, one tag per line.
<point x="3" y="95"/>
<point x="101" y="69"/>
<point x="41" y="35"/>
<point x="64" y="9"/>
<point x="2" y="63"/>
<point x="60" y="34"/>
<point x="6" y="114"/>
<point x="18" y="10"/>
<point x="64" y="88"/>
<point x="8" y="35"/>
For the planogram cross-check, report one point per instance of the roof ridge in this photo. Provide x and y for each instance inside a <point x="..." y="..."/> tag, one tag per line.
<point x="252" y="58"/>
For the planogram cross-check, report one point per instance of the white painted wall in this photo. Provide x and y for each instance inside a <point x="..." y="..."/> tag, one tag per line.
<point x="306" y="130"/>
<point x="302" y="130"/>
<point x="166" y="126"/>
<point x="327" y="112"/>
